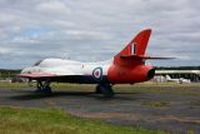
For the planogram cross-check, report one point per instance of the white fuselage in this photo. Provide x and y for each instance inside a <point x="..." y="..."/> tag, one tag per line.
<point x="66" y="68"/>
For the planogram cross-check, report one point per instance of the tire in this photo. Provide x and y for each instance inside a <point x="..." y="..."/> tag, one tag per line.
<point x="98" y="90"/>
<point x="106" y="90"/>
<point x="47" y="90"/>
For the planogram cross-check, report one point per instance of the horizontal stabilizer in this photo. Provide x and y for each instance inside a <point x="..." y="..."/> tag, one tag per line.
<point x="143" y="57"/>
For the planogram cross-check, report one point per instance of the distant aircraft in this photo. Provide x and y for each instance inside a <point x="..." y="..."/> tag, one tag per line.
<point x="177" y="80"/>
<point x="127" y="67"/>
<point x="169" y="79"/>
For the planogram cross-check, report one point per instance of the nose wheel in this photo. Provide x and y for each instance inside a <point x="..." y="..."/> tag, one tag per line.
<point x="43" y="87"/>
<point x="105" y="89"/>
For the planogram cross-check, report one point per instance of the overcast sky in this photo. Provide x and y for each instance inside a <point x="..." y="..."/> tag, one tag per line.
<point x="92" y="30"/>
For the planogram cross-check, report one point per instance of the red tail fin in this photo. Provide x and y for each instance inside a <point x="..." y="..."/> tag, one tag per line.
<point x="136" y="47"/>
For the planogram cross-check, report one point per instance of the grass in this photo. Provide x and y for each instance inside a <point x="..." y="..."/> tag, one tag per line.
<point x="6" y="85"/>
<point x="192" y="89"/>
<point x="38" y="121"/>
<point x="66" y="86"/>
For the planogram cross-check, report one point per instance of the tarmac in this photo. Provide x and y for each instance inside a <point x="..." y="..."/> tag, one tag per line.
<point x="169" y="112"/>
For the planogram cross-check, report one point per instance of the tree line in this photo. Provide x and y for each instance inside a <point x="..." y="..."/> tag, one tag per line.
<point x="8" y="73"/>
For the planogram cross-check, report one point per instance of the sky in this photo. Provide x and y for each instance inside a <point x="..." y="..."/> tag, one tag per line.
<point x="94" y="30"/>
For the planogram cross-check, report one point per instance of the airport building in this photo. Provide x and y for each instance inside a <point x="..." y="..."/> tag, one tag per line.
<point x="185" y="73"/>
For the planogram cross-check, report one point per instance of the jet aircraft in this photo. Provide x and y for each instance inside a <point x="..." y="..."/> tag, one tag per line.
<point x="126" y="67"/>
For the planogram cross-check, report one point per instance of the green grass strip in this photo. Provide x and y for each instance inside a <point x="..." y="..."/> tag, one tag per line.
<point x="53" y="121"/>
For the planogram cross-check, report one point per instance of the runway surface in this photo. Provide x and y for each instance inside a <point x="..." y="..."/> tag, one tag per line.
<point x="171" y="112"/>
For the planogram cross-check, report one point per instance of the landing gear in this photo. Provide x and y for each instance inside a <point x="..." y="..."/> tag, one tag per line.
<point x="98" y="90"/>
<point x="43" y="87"/>
<point x="105" y="89"/>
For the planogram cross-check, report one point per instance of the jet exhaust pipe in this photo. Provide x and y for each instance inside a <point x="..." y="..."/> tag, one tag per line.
<point x="151" y="73"/>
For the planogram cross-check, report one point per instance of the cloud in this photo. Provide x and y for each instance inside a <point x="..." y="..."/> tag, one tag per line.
<point x="53" y="8"/>
<point x="32" y="30"/>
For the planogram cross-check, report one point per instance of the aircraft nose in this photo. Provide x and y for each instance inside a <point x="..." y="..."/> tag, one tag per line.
<point x="25" y="70"/>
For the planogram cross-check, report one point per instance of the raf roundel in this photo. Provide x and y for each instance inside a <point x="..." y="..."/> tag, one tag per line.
<point x="97" y="73"/>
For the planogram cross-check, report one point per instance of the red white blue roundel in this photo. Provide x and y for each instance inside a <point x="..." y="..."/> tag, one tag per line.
<point x="97" y="73"/>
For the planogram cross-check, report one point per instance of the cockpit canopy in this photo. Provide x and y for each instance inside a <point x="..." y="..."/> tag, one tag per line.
<point x="38" y="63"/>
<point x="54" y="62"/>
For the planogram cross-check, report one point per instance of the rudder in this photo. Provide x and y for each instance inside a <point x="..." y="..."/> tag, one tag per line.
<point x="138" y="45"/>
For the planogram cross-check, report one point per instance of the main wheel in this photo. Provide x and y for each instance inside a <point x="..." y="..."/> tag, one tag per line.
<point x="43" y="87"/>
<point x="47" y="89"/>
<point x="98" y="90"/>
<point x="106" y="90"/>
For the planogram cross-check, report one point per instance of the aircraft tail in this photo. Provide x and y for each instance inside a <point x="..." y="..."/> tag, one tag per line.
<point x="138" y="45"/>
<point x="136" y="48"/>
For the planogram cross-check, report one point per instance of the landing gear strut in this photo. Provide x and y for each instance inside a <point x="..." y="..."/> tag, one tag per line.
<point x="43" y="87"/>
<point x="105" y="89"/>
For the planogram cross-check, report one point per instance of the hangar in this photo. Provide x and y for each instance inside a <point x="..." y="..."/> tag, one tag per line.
<point x="190" y="73"/>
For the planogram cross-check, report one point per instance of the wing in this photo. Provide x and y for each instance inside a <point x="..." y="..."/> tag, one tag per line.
<point x="37" y="75"/>
<point x="71" y="78"/>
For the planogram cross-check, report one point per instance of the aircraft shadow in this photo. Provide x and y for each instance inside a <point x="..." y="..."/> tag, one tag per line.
<point x="31" y="95"/>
